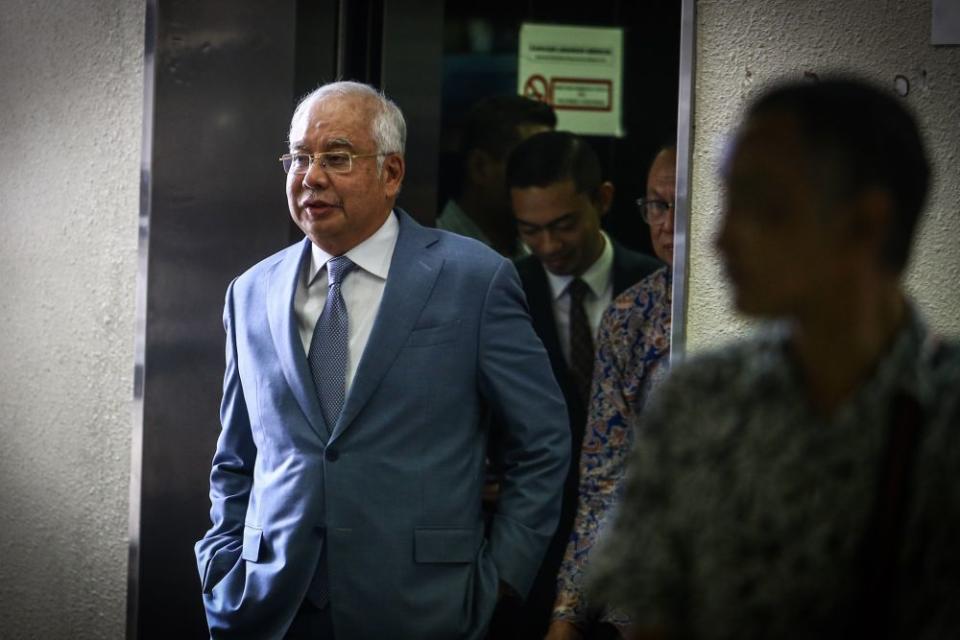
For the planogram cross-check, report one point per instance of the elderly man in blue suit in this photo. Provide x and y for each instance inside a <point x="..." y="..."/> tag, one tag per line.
<point x="360" y="362"/>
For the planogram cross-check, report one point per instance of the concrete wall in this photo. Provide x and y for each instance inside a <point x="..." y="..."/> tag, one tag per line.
<point x="70" y="129"/>
<point x="743" y="45"/>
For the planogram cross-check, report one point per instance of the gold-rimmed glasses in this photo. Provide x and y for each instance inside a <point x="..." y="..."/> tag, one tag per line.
<point x="329" y="161"/>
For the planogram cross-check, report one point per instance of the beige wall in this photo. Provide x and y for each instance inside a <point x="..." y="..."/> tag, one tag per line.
<point x="70" y="114"/>
<point x="743" y="45"/>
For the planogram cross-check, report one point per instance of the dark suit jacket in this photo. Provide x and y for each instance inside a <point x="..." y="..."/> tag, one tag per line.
<point x="628" y="268"/>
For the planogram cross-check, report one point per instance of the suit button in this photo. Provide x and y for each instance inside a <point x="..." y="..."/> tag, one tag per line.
<point x="331" y="454"/>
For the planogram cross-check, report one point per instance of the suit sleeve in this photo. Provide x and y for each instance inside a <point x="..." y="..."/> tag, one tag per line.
<point x="231" y="477"/>
<point x="517" y="381"/>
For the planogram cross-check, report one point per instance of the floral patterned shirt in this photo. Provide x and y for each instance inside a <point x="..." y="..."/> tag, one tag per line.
<point x="744" y="509"/>
<point x="632" y="348"/>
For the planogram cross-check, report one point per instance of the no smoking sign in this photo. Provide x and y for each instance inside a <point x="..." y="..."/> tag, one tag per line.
<point x="537" y="88"/>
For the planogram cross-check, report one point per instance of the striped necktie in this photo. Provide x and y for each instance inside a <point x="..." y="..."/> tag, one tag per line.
<point x="581" y="340"/>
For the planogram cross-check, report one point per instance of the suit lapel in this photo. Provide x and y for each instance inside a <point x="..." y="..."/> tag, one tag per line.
<point x="413" y="272"/>
<point x="282" y="287"/>
<point x="540" y="299"/>
<point x="629" y="267"/>
<point x="620" y="275"/>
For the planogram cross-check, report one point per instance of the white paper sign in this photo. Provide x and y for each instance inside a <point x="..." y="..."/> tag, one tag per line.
<point x="578" y="70"/>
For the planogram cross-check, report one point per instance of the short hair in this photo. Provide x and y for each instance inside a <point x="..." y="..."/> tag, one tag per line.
<point x="551" y="157"/>
<point x="388" y="129"/>
<point x="862" y="137"/>
<point x="492" y="123"/>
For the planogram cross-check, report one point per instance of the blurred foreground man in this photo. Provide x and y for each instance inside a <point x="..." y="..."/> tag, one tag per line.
<point x="347" y="479"/>
<point x="803" y="483"/>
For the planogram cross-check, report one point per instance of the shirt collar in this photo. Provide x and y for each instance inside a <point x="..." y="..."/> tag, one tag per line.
<point x="373" y="255"/>
<point x="597" y="276"/>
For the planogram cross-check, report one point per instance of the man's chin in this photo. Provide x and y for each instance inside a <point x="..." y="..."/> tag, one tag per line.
<point x="559" y="268"/>
<point x="313" y="225"/>
<point x="665" y="254"/>
<point x="322" y="234"/>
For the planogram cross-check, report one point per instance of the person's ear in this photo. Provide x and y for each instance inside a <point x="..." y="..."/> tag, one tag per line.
<point x="392" y="174"/>
<point x="605" y="194"/>
<point x="867" y="223"/>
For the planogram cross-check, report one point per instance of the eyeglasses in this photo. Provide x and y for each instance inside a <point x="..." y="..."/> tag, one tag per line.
<point x="330" y="161"/>
<point x="654" y="211"/>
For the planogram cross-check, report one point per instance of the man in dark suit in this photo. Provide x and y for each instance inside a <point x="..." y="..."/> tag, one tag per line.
<point x="345" y="490"/>
<point x="573" y="273"/>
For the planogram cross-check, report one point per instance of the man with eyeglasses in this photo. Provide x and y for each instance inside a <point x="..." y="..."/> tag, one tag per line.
<point x="632" y="356"/>
<point x="346" y="484"/>
<point x="575" y="270"/>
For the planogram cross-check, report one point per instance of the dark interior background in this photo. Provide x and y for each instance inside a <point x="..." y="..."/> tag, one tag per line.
<point x="480" y="58"/>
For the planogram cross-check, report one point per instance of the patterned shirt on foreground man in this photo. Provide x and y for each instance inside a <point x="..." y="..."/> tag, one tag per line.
<point x="803" y="483"/>
<point x="722" y="478"/>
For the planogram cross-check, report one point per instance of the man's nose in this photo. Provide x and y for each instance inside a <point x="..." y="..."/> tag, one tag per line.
<point x="550" y="242"/>
<point x="315" y="176"/>
<point x="667" y="223"/>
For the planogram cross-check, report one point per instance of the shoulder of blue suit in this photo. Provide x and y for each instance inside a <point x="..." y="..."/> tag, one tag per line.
<point x="448" y="245"/>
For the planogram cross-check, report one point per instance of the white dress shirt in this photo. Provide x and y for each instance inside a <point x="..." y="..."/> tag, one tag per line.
<point x="599" y="279"/>
<point x="362" y="289"/>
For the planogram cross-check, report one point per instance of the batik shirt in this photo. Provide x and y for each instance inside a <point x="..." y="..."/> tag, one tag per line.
<point x="744" y="508"/>
<point x="632" y="347"/>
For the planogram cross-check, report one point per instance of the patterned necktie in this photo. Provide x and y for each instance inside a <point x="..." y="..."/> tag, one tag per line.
<point x="329" y="347"/>
<point x="328" y="357"/>
<point x="581" y="340"/>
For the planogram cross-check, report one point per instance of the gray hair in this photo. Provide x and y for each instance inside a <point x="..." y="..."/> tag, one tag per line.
<point x="388" y="129"/>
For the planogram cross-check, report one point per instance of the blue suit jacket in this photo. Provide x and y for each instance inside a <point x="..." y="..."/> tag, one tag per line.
<point x="393" y="488"/>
